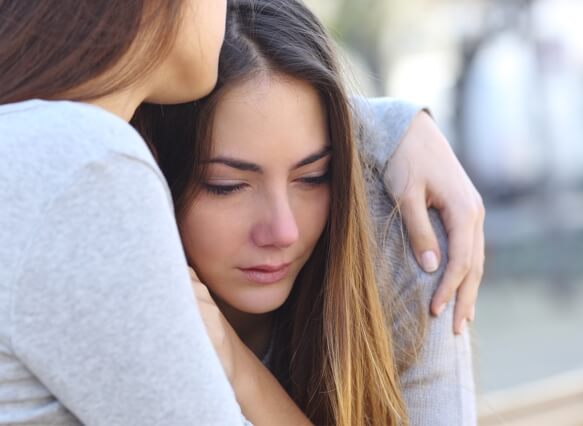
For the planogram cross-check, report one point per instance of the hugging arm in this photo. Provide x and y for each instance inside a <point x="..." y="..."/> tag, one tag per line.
<point x="104" y="315"/>
<point x="418" y="168"/>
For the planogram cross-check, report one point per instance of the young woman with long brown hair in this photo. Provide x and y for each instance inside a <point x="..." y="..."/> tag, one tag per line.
<point x="271" y="202"/>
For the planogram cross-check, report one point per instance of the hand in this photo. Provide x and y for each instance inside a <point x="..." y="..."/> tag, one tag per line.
<point x="424" y="172"/>
<point x="262" y="399"/>
<point x="224" y="339"/>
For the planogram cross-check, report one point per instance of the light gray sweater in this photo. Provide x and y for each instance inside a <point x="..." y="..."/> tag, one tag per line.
<point x="98" y="323"/>
<point x="439" y="387"/>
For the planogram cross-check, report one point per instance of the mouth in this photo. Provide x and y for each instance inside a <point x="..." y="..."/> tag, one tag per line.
<point x="266" y="274"/>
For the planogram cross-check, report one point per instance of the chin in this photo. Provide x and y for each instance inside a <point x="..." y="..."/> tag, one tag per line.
<point x="260" y="308"/>
<point x="207" y="86"/>
<point x="182" y="93"/>
<point x="261" y="302"/>
<point x="204" y="82"/>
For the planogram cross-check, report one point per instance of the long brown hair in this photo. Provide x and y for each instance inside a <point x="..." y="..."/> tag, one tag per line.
<point x="333" y="347"/>
<point x="52" y="48"/>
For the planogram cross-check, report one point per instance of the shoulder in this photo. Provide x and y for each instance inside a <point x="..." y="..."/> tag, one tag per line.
<point x="435" y="365"/>
<point x="45" y="144"/>
<point x="394" y="246"/>
<point x="385" y="107"/>
<point x="69" y="131"/>
<point x="406" y="289"/>
<point x="382" y="123"/>
<point x="389" y="117"/>
<point x="65" y="171"/>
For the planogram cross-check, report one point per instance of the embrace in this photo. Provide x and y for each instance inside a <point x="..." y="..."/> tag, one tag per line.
<point x="201" y="226"/>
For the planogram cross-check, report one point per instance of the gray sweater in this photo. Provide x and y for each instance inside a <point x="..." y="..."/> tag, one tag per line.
<point x="98" y="323"/>
<point x="438" y="387"/>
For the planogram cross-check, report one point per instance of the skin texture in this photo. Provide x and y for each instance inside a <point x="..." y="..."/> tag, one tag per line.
<point x="195" y="55"/>
<point x="424" y="172"/>
<point x="189" y="71"/>
<point x="271" y="215"/>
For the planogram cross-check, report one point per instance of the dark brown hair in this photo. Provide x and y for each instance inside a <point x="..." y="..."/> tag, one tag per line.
<point x="50" y="49"/>
<point x="332" y="348"/>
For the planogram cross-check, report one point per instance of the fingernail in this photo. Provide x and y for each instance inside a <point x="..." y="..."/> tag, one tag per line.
<point x="439" y="310"/>
<point x="429" y="261"/>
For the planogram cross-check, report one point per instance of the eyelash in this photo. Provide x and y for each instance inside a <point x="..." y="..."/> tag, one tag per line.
<point x="316" y="180"/>
<point x="223" y="190"/>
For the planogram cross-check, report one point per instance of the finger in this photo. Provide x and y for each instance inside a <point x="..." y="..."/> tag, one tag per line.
<point x="202" y="293"/>
<point x="467" y="294"/>
<point x="421" y="234"/>
<point x="460" y="246"/>
<point x="192" y="273"/>
<point x="481" y="243"/>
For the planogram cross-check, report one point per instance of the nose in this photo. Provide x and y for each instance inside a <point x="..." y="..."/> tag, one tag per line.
<point x="278" y="226"/>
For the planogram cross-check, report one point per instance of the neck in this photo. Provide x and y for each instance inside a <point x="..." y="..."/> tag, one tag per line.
<point x="253" y="329"/>
<point x="123" y="104"/>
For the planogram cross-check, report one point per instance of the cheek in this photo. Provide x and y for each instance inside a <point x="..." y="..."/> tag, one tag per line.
<point x="211" y="29"/>
<point x="198" y="44"/>
<point x="211" y="236"/>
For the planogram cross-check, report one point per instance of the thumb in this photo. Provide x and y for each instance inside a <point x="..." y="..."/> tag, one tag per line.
<point x="421" y="234"/>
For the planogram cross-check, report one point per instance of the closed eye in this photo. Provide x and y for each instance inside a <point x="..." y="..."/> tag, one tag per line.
<point x="223" y="189"/>
<point x="316" y="180"/>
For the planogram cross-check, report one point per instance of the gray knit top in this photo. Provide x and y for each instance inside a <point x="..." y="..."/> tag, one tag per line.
<point x="438" y="386"/>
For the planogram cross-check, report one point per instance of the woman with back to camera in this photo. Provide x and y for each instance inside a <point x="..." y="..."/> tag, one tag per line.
<point x="271" y="205"/>
<point x="94" y="285"/>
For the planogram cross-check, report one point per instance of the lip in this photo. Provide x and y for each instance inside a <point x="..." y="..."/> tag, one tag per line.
<point x="266" y="274"/>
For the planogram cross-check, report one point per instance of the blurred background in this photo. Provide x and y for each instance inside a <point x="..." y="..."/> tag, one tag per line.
<point x="504" y="80"/>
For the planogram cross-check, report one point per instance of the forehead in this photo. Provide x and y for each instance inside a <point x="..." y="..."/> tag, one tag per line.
<point x="270" y="114"/>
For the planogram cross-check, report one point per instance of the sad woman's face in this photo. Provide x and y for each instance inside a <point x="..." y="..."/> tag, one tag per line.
<point x="265" y="199"/>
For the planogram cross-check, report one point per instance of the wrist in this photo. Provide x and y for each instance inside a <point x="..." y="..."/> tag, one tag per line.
<point x="244" y="380"/>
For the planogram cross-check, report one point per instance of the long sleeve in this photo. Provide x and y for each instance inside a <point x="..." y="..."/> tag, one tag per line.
<point x="98" y="321"/>
<point x="438" y="386"/>
<point x="104" y="314"/>
<point x="389" y="119"/>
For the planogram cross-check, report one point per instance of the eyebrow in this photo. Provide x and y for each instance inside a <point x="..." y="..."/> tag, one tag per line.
<point x="252" y="167"/>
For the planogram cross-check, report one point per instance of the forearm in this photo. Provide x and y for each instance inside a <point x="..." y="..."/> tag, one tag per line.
<point x="262" y="399"/>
